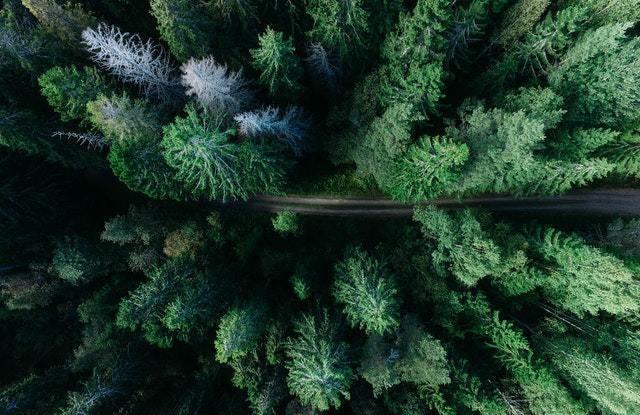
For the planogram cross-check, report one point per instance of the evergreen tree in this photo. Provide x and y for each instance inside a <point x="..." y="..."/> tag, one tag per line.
<point x="239" y="331"/>
<point x="133" y="132"/>
<point x="366" y="290"/>
<point x="518" y="20"/>
<point x="429" y="169"/>
<point x="462" y="246"/>
<point x="210" y="165"/>
<point x="69" y="90"/>
<point x="280" y="69"/>
<point x="597" y="78"/>
<point x="413" y="54"/>
<point x="183" y="26"/>
<point x="319" y="373"/>
<point x="341" y="27"/>
<point x="290" y="126"/>
<point x="612" y="390"/>
<point x="64" y="21"/>
<point x="584" y="279"/>
<point x="79" y="261"/>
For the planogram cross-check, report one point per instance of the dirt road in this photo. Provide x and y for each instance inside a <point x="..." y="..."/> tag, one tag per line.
<point x="602" y="202"/>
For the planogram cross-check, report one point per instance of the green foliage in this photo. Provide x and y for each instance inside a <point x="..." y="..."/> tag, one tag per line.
<point x="183" y="25"/>
<point x="430" y="168"/>
<point x="518" y="20"/>
<point x="78" y="261"/>
<point x="69" y="90"/>
<point x="596" y="377"/>
<point x="286" y="222"/>
<point x="597" y="78"/>
<point x="413" y="53"/>
<point x="365" y="288"/>
<point x="413" y="357"/>
<point x="64" y="21"/>
<point x="279" y="67"/>
<point x="319" y="373"/>
<point x="501" y="146"/>
<point x="542" y="104"/>
<point x="387" y="137"/>
<point x="133" y="131"/>
<point x="188" y="303"/>
<point x="584" y="279"/>
<point x="462" y="246"/>
<point x="340" y="26"/>
<point x="209" y="165"/>
<point x="239" y="331"/>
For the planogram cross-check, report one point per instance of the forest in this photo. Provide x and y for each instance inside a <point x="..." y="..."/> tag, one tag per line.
<point x="135" y="280"/>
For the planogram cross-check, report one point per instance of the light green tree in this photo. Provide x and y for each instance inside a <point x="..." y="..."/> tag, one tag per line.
<point x="366" y="290"/>
<point x="585" y="280"/>
<point x="430" y="168"/>
<point x="598" y="76"/>
<point x="239" y="331"/>
<point x="69" y="90"/>
<point x="280" y="69"/>
<point x="209" y="165"/>
<point x="340" y="26"/>
<point x="319" y="373"/>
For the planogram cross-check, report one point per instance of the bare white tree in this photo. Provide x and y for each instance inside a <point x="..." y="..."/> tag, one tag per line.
<point x="290" y="126"/>
<point x="215" y="86"/>
<point x="126" y="56"/>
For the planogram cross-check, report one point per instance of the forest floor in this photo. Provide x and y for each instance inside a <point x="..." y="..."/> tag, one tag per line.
<point x="602" y="202"/>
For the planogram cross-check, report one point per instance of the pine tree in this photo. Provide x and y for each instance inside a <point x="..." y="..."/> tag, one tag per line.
<point x="146" y="306"/>
<point x="286" y="222"/>
<point x="144" y="64"/>
<point x="597" y="78"/>
<point x="133" y="129"/>
<point x="609" y="387"/>
<point x="210" y="165"/>
<point x="215" y="87"/>
<point x="183" y="25"/>
<point x="413" y="357"/>
<point x="387" y="138"/>
<point x="69" y="90"/>
<point x="341" y="27"/>
<point x="624" y="154"/>
<point x="501" y="150"/>
<point x="461" y="245"/>
<point x="66" y="22"/>
<point x="239" y="331"/>
<point x="319" y="373"/>
<point x="280" y="69"/>
<point x="429" y="169"/>
<point x="559" y="176"/>
<point x="414" y="55"/>
<point x="518" y="20"/>
<point x="366" y="290"/>
<point x="79" y="261"/>
<point x="584" y="279"/>
<point x="322" y="66"/>
<point x="542" y="104"/>
<point x="542" y="390"/>
<point x="191" y="314"/>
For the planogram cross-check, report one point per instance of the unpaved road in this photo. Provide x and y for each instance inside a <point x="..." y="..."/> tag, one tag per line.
<point x="600" y="202"/>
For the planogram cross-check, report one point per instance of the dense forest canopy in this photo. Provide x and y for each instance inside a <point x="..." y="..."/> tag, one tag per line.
<point x="128" y="286"/>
